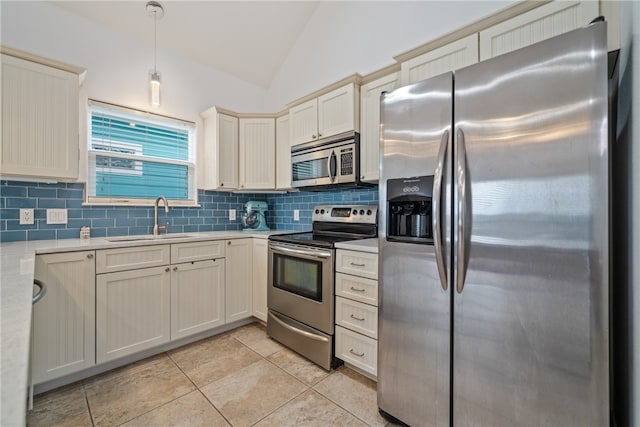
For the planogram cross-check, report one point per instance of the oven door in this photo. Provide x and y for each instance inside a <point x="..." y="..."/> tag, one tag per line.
<point x="301" y="284"/>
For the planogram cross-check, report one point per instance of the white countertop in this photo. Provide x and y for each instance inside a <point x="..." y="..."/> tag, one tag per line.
<point x="17" y="261"/>
<point x="363" y="245"/>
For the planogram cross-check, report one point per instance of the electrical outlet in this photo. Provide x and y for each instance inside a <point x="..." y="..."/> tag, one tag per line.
<point x="26" y="216"/>
<point x="296" y="214"/>
<point x="56" y="216"/>
<point x="232" y="214"/>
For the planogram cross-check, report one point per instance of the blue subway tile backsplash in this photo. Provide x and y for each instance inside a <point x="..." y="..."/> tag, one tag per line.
<point x="212" y="215"/>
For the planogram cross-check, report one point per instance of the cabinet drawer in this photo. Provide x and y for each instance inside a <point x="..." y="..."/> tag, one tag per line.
<point x="196" y="251"/>
<point x="357" y="350"/>
<point x="121" y="259"/>
<point x="356" y="316"/>
<point x="357" y="288"/>
<point x="357" y="263"/>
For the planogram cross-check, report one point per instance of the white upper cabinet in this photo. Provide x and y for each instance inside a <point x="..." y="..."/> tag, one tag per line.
<point x="370" y="125"/>
<point x="329" y="114"/>
<point x="536" y="25"/>
<point x="283" y="153"/>
<point x="337" y="111"/>
<point x="257" y="154"/>
<point x="40" y="120"/>
<point x="452" y="56"/>
<point x="303" y="123"/>
<point x="220" y="150"/>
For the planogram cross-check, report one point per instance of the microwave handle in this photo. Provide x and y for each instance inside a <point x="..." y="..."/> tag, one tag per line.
<point x="332" y="166"/>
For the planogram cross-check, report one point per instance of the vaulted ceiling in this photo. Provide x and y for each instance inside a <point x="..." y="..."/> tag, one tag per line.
<point x="247" y="39"/>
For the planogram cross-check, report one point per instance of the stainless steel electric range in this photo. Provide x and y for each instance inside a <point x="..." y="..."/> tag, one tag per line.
<point x="300" y="295"/>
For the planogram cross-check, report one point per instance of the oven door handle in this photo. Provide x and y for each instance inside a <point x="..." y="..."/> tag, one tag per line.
<point x="297" y="330"/>
<point x="300" y="252"/>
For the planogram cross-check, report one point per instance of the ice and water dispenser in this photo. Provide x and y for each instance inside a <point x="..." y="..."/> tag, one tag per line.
<point x="409" y="209"/>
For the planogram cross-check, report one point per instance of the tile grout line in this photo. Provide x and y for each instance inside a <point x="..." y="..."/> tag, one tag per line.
<point x="199" y="390"/>
<point x="86" y="400"/>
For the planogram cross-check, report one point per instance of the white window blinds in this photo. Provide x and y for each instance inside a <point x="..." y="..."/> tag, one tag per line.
<point x="134" y="157"/>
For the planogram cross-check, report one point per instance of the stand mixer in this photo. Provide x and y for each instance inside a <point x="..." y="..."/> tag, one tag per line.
<point x="253" y="218"/>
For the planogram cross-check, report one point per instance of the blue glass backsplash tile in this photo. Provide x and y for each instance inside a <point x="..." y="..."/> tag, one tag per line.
<point x="213" y="215"/>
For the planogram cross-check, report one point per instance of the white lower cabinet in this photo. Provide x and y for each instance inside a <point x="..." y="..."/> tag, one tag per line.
<point x="197" y="297"/>
<point x="132" y="311"/>
<point x="64" y="319"/>
<point x="357" y="350"/>
<point x="357" y="309"/>
<point x="239" y="279"/>
<point x="260" y="271"/>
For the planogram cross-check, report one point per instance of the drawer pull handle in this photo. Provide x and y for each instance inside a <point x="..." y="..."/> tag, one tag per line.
<point x="361" y="319"/>
<point x="357" y="290"/>
<point x="356" y="353"/>
<point x="357" y="265"/>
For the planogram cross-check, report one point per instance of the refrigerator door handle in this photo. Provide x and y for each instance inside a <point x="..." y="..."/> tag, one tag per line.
<point x="464" y="214"/>
<point x="436" y="207"/>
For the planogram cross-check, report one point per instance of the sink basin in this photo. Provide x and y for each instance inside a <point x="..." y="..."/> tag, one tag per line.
<point x="148" y="237"/>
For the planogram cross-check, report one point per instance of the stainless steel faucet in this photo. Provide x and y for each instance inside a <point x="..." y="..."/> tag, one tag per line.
<point x="158" y="228"/>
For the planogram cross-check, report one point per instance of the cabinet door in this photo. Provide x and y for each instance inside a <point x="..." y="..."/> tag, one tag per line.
<point x="64" y="319"/>
<point x="239" y="279"/>
<point x="455" y="55"/>
<point x="227" y="152"/>
<point x="260" y="271"/>
<point x="283" y="154"/>
<point x="370" y="125"/>
<point x="197" y="297"/>
<point x="257" y="154"/>
<point x="337" y="111"/>
<point x="132" y="311"/>
<point x="39" y="120"/>
<point x="303" y="122"/>
<point x="536" y="25"/>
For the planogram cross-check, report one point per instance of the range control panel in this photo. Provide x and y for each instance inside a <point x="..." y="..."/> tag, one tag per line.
<point x="367" y="214"/>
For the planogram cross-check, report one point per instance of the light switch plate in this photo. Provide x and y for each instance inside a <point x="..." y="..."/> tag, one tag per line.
<point x="26" y="216"/>
<point x="296" y="214"/>
<point x="232" y="214"/>
<point x="56" y="216"/>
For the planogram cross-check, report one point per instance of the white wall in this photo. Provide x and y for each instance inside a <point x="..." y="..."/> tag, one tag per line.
<point x="349" y="37"/>
<point x="118" y="65"/>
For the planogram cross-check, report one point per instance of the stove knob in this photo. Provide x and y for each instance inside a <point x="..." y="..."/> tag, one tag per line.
<point x="361" y="211"/>
<point x="317" y="211"/>
<point x="355" y="212"/>
<point x="369" y="212"/>
<point x="322" y="211"/>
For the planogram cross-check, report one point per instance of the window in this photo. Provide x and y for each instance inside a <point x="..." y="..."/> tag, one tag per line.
<point x="134" y="157"/>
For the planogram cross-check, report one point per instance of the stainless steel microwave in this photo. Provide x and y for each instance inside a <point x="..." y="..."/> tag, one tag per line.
<point x="327" y="163"/>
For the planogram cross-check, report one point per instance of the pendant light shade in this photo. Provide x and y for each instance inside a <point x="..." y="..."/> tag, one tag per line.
<point x="155" y="11"/>
<point x="154" y="88"/>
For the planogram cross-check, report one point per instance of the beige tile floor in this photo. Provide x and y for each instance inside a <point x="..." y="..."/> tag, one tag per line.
<point x="240" y="378"/>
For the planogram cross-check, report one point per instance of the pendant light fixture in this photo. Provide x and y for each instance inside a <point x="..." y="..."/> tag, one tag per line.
<point x="155" y="11"/>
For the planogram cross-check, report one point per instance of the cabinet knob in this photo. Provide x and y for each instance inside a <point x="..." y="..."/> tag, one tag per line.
<point x="313" y="136"/>
<point x="166" y="269"/>
<point x="229" y="242"/>
<point x="222" y="184"/>
<point x="175" y="268"/>
<point x="89" y="256"/>
<point x="319" y="134"/>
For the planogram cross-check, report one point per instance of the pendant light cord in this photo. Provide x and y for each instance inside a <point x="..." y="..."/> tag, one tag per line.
<point x="155" y="40"/>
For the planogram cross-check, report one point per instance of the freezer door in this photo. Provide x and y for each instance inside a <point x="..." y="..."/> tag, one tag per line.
<point x="531" y="267"/>
<point x="414" y="313"/>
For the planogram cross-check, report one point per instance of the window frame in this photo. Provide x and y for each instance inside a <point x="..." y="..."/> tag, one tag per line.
<point x="138" y="158"/>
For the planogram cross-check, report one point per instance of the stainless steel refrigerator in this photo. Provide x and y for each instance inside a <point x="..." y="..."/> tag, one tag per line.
<point x="494" y="241"/>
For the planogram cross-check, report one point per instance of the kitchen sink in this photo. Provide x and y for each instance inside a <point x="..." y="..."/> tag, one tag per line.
<point x="148" y="237"/>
